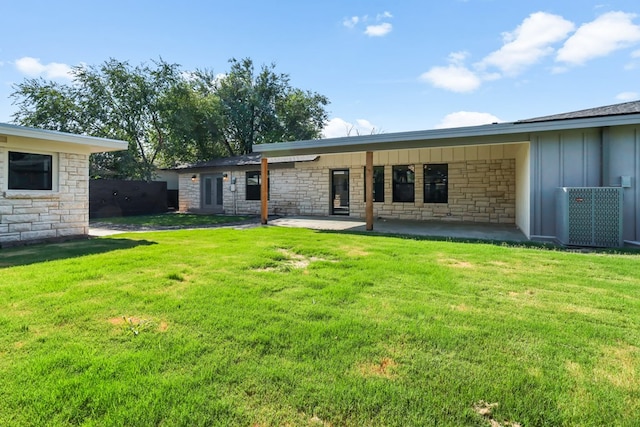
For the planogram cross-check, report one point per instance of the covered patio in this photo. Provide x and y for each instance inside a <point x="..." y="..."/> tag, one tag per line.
<point x="454" y="230"/>
<point x="488" y="179"/>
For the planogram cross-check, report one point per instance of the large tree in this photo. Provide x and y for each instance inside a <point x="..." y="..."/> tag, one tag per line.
<point x="262" y="107"/>
<point x="169" y="116"/>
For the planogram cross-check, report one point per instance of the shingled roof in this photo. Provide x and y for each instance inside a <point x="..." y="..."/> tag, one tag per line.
<point x="608" y="110"/>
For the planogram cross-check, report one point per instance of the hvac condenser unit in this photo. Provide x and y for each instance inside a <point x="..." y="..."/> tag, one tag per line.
<point x="590" y="216"/>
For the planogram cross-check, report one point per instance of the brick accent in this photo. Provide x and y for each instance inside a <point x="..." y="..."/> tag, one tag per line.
<point x="42" y="215"/>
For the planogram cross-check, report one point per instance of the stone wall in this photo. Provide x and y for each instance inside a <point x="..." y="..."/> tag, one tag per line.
<point x="189" y="194"/>
<point x="43" y="215"/>
<point x="482" y="186"/>
<point x="479" y="191"/>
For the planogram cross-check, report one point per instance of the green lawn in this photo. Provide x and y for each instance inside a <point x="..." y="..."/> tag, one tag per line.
<point x="290" y="327"/>
<point x="173" y="220"/>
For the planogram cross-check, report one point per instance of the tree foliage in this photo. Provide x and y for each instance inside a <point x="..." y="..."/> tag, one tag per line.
<point x="169" y="116"/>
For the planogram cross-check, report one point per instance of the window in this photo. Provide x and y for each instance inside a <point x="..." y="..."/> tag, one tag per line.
<point x="436" y="187"/>
<point x="253" y="185"/>
<point x="403" y="183"/>
<point x="378" y="184"/>
<point x="29" y="171"/>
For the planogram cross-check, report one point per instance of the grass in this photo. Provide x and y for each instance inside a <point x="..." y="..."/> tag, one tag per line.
<point x="271" y="326"/>
<point x="173" y="220"/>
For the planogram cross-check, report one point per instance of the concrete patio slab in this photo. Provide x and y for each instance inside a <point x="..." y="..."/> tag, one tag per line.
<point x="457" y="230"/>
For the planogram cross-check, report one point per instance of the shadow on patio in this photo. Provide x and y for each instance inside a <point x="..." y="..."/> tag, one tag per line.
<point x="454" y="230"/>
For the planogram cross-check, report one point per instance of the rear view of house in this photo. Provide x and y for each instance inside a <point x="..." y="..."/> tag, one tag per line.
<point x="503" y="173"/>
<point x="44" y="183"/>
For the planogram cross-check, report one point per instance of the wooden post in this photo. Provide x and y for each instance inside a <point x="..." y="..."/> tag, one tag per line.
<point x="264" y="191"/>
<point x="369" y="193"/>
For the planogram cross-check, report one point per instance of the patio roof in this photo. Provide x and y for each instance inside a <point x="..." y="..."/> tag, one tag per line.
<point x="252" y="159"/>
<point x="608" y="110"/>
<point x="497" y="133"/>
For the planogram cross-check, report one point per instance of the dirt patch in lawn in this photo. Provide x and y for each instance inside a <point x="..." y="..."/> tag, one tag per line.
<point x="385" y="368"/>
<point x="451" y="262"/>
<point x="460" y="307"/>
<point x="617" y="365"/>
<point x="136" y="324"/>
<point x="485" y="409"/>
<point x="354" y="250"/>
<point x="516" y="294"/>
<point x="291" y="260"/>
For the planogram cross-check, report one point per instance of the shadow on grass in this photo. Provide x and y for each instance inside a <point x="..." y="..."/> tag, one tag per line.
<point x="504" y="243"/>
<point x="33" y="254"/>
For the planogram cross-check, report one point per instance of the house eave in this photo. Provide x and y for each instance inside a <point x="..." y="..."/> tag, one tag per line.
<point x="91" y="143"/>
<point x="497" y="133"/>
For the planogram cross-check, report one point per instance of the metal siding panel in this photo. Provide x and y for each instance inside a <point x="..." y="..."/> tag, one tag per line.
<point x="593" y="143"/>
<point x="550" y="179"/>
<point x="534" y="172"/>
<point x="576" y="168"/>
<point x="623" y="160"/>
<point x="635" y="182"/>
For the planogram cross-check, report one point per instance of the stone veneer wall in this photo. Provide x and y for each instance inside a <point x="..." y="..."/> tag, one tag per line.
<point x="292" y="191"/>
<point x="189" y="193"/>
<point x="479" y="191"/>
<point x="41" y="215"/>
<point x="482" y="186"/>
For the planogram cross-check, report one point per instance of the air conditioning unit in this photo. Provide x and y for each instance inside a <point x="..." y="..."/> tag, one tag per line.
<point x="589" y="216"/>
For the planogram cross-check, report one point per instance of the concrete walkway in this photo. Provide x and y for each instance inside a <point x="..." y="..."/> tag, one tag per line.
<point x="456" y="230"/>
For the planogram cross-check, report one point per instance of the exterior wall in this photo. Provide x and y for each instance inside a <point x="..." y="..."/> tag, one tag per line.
<point x="170" y="177"/>
<point x="523" y="189"/>
<point x="189" y="195"/>
<point x="41" y="215"/>
<point x="561" y="159"/>
<point x="621" y="157"/>
<point x="482" y="185"/>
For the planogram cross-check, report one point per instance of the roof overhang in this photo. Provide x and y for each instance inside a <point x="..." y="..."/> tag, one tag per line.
<point x="84" y="143"/>
<point x="226" y="163"/>
<point x="498" y="133"/>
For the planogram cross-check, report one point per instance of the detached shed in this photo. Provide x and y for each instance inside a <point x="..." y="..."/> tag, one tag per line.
<point x="44" y="183"/>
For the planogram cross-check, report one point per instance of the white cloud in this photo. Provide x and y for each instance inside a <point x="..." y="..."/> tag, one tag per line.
<point x="627" y="96"/>
<point x="337" y="127"/>
<point x="32" y="67"/>
<point x="635" y="54"/>
<point x="607" y="33"/>
<point x="466" y="118"/>
<point x="523" y="47"/>
<point x="374" y="30"/>
<point x="454" y="77"/>
<point x="351" y="22"/>
<point x="378" y="30"/>
<point x="528" y="43"/>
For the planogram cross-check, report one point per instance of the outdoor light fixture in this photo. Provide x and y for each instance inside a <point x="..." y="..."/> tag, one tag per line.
<point x="225" y="177"/>
<point x="193" y="178"/>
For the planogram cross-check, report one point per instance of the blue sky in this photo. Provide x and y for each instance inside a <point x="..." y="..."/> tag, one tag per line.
<point x="391" y="66"/>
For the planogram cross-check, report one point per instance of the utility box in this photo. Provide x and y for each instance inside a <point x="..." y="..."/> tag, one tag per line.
<point x="589" y="216"/>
